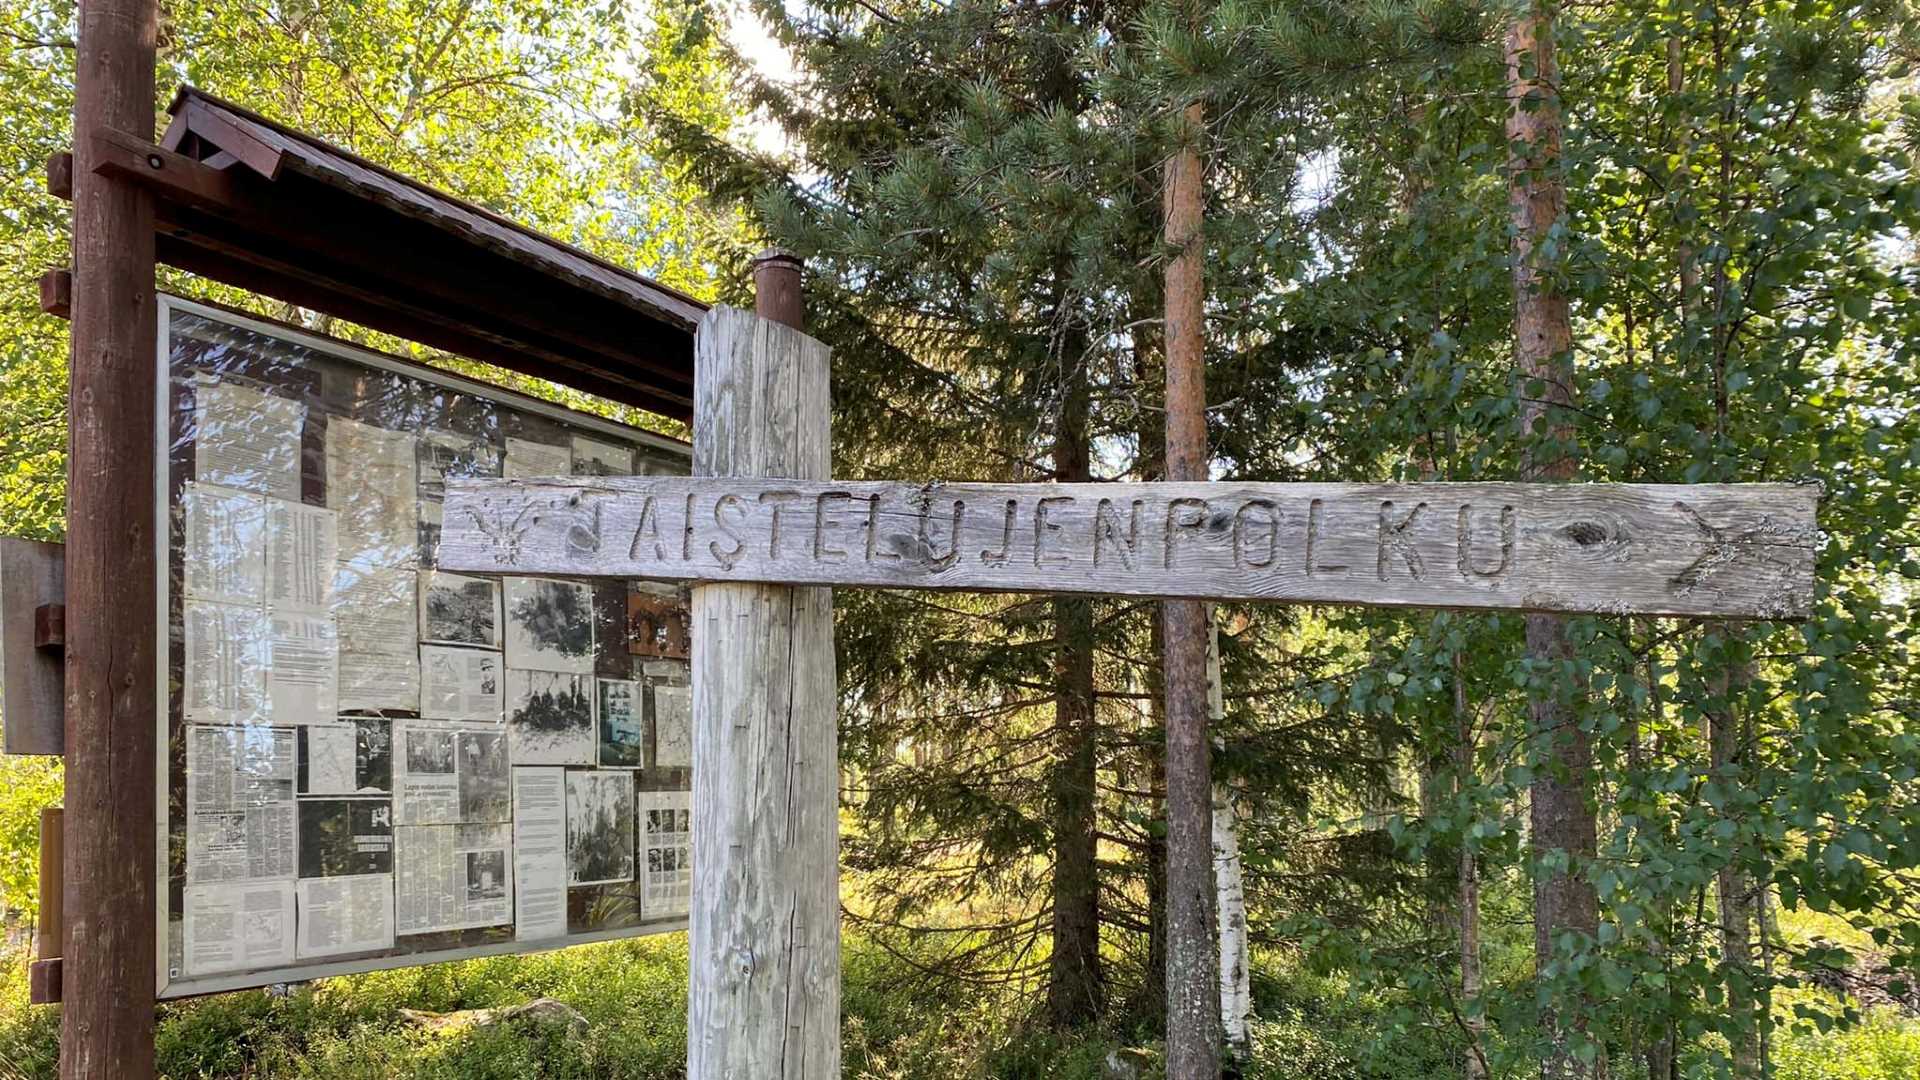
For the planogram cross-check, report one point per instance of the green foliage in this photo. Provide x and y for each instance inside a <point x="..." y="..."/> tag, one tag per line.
<point x="1884" y="1045"/>
<point x="514" y="105"/>
<point x="27" y="784"/>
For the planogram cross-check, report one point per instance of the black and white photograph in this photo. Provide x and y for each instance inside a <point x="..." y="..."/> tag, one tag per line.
<point x="352" y="757"/>
<point x="594" y="457"/>
<point x="621" y="742"/>
<point x="459" y="610"/>
<point x="486" y="876"/>
<point x="343" y="837"/>
<point x="485" y="791"/>
<point x="429" y="751"/>
<point x="666" y="840"/>
<point x="549" y="625"/>
<point x="549" y="718"/>
<point x="672" y="726"/>
<point x="373" y="755"/>
<point x="600" y="826"/>
<point x="448" y="454"/>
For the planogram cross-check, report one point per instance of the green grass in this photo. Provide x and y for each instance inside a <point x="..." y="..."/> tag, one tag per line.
<point x="896" y="1027"/>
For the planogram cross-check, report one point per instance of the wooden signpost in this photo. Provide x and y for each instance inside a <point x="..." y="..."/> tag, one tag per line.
<point x="760" y="523"/>
<point x="1709" y="549"/>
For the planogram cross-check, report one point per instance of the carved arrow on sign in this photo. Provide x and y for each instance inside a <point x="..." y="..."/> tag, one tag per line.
<point x="1721" y="550"/>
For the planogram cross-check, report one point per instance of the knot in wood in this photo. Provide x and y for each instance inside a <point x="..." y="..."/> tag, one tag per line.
<point x="742" y="962"/>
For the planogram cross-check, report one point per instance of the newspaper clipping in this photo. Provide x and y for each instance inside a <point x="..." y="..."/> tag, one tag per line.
<point x="342" y="915"/>
<point x="351" y="757"/>
<point x="371" y="482"/>
<point x="302" y="545"/>
<point x="459" y="684"/>
<point x="527" y="459"/>
<point x="237" y="927"/>
<point x="240" y="804"/>
<point x="226" y="658"/>
<point x="346" y="837"/>
<point x="226" y="543"/>
<point x="379" y="650"/>
<point x="539" y="854"/>
<point x="452" y="877"/>
<point x="246" y="439"/>
<point x="449" y="774"/>
<point x="596" y="457"/>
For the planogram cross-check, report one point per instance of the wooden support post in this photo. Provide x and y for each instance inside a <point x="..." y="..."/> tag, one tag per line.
<point x="43" y="975"/>
<point x="108" y="958"/>
<point x="764" y="929"/>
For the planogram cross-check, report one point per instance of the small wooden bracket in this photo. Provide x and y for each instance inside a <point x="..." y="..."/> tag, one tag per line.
<point x="56" y="293"/>
<point x="50" y="628"/>
<point x="60" y="175"/>
<point x="43" y="982"/>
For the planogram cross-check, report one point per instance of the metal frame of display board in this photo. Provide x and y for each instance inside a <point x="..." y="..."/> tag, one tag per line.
<point x="167" y="987"/>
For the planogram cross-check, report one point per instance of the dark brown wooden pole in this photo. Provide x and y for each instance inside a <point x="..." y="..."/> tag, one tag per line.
<point x="108" y="969"/>
<point x="776" y="288"/>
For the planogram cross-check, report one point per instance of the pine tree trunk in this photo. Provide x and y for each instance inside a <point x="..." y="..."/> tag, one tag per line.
<point x="1193" y="984"/>
<point x="1076" y="990"/>
<point x="1562" y="818"/>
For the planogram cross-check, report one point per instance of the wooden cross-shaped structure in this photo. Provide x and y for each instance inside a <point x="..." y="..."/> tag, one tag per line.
<point x="763" y="531"/>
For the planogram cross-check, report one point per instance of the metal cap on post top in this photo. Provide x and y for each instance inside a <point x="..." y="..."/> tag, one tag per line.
<point x="776" y="288"/>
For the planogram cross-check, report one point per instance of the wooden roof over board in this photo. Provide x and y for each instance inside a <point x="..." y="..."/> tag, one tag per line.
<point x="252" y="203"/>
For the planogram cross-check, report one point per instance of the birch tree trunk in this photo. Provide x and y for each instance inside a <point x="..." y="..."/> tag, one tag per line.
<point x="1230" y="890"/>
<point x="1563" y="828"/>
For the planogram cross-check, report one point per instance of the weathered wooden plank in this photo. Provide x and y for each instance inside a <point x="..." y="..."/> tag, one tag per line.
<point x="1734" y="551"/>
<point x="33" y="679"/>
<point x="764" y="926"/>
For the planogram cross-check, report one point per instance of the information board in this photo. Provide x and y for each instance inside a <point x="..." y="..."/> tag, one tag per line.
<point x="368" y="762"/>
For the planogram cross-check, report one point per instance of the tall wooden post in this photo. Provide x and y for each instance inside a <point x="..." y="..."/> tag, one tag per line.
<point x="764" y="929"/>
<point x="108" y="968"/>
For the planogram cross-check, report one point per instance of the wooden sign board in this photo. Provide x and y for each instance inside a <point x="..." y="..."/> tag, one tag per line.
<point x="33" y="678"/>
<point x="1725" y="551"/>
